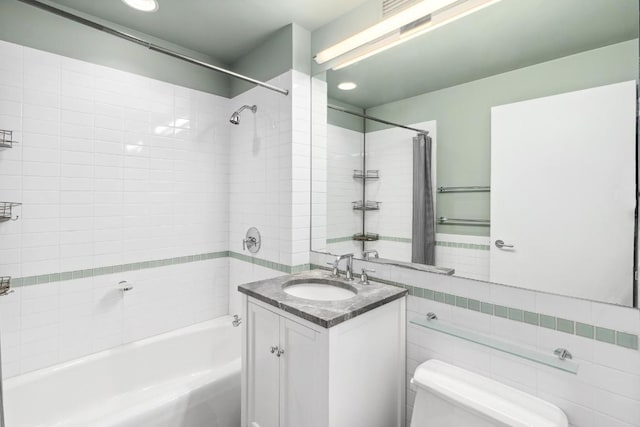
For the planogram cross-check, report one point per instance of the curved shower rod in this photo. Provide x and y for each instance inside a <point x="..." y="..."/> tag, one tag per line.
<point x="149" y="45"/>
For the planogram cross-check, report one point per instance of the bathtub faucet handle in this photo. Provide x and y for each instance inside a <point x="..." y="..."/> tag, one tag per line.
<point x="237" y="320"/>
<point x="125" y="286"/>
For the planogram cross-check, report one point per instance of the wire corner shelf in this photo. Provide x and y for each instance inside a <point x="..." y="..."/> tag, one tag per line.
<point x="6" y="139"/>
<point x="367" y="205"/>
<point x="368" y="174"/>
<point x="366" y="237"/>
<point x="5" y="285"/>
<point x="6" y="211"/>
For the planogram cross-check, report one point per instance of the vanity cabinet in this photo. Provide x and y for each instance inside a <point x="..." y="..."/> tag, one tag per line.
<point x="299" y="374"/>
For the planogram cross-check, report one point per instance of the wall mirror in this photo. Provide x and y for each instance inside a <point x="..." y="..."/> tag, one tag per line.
<point x="520" y="164"/>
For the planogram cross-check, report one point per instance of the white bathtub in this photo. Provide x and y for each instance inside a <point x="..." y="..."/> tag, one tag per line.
<point x="185" y="378"/>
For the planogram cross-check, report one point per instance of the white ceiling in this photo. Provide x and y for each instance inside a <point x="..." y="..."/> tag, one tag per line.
<point x="223" y="29"/>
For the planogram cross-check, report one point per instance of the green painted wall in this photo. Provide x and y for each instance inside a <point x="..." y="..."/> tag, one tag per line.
<point x="29" y="26"/>
<point x="344" y="120"/>
<point x="463" y="118"/>
<point x="286" y="49"/>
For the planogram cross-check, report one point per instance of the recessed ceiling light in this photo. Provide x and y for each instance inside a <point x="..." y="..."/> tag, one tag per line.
<point x="347" y="86"/>
<point x="143" y="5"/>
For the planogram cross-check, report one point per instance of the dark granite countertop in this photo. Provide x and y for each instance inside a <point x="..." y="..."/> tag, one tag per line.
<point x="323" y="313"/>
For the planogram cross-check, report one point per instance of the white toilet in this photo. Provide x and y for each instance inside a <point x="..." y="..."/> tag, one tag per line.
<point x="448" y="396"/>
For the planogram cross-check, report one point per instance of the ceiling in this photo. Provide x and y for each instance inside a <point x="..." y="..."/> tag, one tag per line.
<point x="506" y="36"/>
<point x="223" y="29"/>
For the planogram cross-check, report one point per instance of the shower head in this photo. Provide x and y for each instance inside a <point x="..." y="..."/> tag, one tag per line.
<point x="235" y="117"/>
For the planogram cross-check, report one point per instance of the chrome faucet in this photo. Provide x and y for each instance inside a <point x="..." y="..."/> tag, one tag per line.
<point x="335" y="272"/>
<point x="368" y="253"/>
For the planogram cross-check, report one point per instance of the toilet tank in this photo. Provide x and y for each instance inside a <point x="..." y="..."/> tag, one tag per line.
<point x="448" y="396"/>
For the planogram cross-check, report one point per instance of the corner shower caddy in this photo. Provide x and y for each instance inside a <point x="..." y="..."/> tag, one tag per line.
<point x="366" y="205"/>
<point x="6" y="139"/>
<point x="6" y="211"/>
<point x="5" y="286"/>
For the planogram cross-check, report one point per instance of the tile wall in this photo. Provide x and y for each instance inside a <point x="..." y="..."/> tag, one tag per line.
<point x="270" y="161"/>
<point x="113" y="169"/>
<point x="606" y="389"/>
<point x="468" y="255"/>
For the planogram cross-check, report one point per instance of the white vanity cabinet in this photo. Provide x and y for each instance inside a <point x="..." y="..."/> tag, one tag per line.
<point x="299" y="374"/>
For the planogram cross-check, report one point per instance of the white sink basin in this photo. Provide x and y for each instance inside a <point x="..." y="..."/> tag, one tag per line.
<point x="319" y="291"/>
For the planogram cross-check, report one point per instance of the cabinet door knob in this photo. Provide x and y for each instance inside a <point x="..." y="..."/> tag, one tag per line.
<point x="280" y="353"/>
<point x="274" y="348"/>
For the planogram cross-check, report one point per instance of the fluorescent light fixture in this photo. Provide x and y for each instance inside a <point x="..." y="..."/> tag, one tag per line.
<point x="143" y="5"/>
<point x="412" y="22"/>
<point x="347" y="86"/>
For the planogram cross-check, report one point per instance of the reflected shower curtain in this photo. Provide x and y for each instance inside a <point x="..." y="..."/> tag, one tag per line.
<point x="423" y="239"/>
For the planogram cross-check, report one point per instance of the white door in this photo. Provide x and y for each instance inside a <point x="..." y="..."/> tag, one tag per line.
<point x="262" y="367"/>
<point x="303" y="376"/>
<point x="563" y="193"/>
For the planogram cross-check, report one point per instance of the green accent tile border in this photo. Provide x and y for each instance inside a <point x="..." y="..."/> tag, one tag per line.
<point x="460" y="245"/>
<point x="270" y="264"/>
<point x="339" y="239"/>
<point x="111" y="269"/>
<point x="395" y="239"/>
<point x="584" y="330"/>
<point x="541" y="320"/>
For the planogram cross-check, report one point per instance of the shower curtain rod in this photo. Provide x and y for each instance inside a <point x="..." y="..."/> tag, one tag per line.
<point x="149" y="45"/>
<point x="375" y="119"/>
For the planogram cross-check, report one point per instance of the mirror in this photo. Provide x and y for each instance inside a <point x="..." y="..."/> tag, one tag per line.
<point x="526" y="175"/>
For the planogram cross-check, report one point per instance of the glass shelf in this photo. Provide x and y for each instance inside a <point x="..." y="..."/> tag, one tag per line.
<point x="551" y="360"/>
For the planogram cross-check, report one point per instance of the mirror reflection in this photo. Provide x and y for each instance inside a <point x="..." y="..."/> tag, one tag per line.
<point x="499" y="147"/>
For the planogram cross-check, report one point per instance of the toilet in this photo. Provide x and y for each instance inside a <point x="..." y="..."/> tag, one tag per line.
<point x="448" y="396"/>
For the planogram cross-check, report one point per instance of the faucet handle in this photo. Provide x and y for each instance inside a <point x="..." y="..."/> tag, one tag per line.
<point x="334" y="271"/>
<point x="364" y="277"/>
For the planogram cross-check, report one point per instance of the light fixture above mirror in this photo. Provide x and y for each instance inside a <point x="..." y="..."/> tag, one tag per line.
<point x="418" y="19"/>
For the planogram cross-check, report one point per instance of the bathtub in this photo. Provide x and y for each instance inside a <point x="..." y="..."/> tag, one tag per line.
<point x="186" y="378"/>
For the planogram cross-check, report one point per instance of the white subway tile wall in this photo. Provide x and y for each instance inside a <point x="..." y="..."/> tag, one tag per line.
<point x="344" y="152"/>
<point x="270" y="179"/>
<point x="467" y="255"/>
<point x="606" y="390"/>
<point x="319" y="129"/>
<point x="112" y="168"/>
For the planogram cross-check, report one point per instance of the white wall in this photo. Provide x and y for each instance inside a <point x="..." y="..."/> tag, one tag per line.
<point x="112" y="168"/>
<point x="606" y="390"/>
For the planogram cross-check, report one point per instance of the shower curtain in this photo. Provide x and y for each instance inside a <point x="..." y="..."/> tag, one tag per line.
<point x="423" y="240"/>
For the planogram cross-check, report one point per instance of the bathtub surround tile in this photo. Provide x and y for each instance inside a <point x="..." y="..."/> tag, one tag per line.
<point x="107" y="197"/>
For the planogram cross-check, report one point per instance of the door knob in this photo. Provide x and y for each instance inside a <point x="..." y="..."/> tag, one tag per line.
<point x="501" y="245"/>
